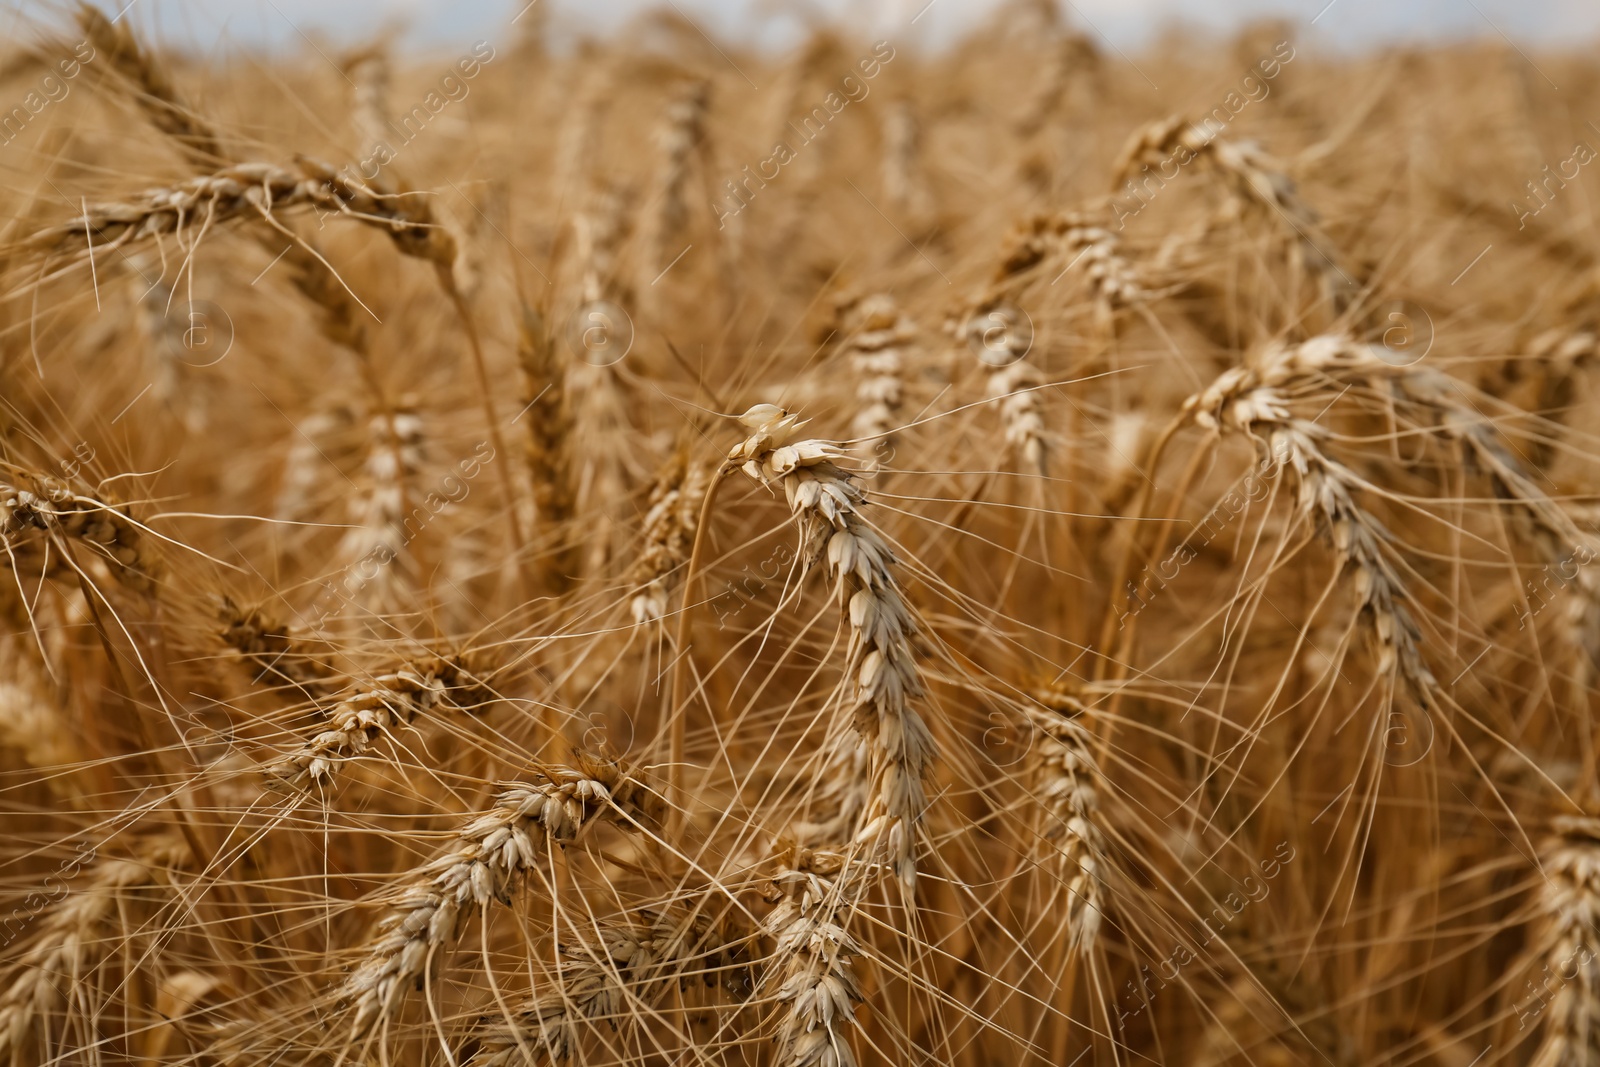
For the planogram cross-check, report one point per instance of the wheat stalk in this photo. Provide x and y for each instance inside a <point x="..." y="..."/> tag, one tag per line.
<point x="597" y="400"/>
<point x="1562" y="539"/>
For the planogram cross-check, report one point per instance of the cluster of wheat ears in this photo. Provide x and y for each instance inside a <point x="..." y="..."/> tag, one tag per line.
<point x="646" y="550"/>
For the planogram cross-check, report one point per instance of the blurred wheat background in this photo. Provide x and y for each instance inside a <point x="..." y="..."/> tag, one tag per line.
<point x="645" y="549"/>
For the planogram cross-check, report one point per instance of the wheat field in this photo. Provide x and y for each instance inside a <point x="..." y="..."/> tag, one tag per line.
<point x="640" y="549"/>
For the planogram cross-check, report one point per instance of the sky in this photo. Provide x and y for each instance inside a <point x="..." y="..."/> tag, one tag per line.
<point x="206" y="25"/>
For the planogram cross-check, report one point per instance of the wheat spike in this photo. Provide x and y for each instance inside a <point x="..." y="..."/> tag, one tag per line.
<point x="40" y="503"/>
<point x="74" y="934"/>
<point x="152" y="88"/>
<point x="1065" y="774"/>
<point x="1252" y="400"/>
<point x="816" y="979"/>
<point x="1253" y="176"/>
<point x="491" y="855"/>
<point x="381" y="536"/>
<point x="272" y="651"/>
<point x="903" y="181"/>
<point x="669" y="529"/>
<point x="626" y="961"/>
<point x="681" y="132"/>
<point x="1570" y="900"/>
<point x="247" y="191"/>
<point x="877" y="352"/>
<point x="374" y="710"/>
<point x="880" y="659"/>
<point x="32" y="721"/>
